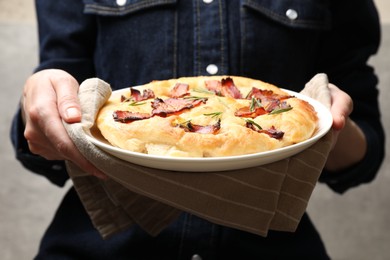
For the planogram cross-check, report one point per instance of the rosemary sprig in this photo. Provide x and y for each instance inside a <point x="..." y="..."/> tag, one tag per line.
<point x="136" y="103"/>
<point x="280" y="110"/>
<point x="195" y="97"/>
<point x="253" y="123"/>
<point x="200" y="90"/>
<point x="213" y="114"/>
<point x="254" y="104"/>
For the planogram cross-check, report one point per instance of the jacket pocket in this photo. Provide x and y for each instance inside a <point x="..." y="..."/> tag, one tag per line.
<point x="304" y="14"/>
<point x="135" y="39"/>
<point x="121" y="7"/>
<point x="278" y="37"/>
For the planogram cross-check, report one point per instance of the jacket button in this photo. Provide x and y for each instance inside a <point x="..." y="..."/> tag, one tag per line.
<point x="291" y="14"/>
<point x="121" y="2"/>
<point x="212" y="69"/>
<point x="196" y="257"/>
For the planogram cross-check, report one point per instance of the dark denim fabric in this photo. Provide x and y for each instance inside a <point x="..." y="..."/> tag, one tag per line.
<point x="71" y="236"/>
<point x="132" y="42"/>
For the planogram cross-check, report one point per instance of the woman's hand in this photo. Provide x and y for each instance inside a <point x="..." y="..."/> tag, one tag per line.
<point x="50" y="96"/>
<point x="349" y="143"/>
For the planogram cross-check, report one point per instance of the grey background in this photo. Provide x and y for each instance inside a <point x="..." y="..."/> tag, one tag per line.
<point x="355" y="225"/>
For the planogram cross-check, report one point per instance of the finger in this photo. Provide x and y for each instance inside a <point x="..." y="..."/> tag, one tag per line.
<point x="38" y="144"/>
<point x="39" y="111"/>
<point x="65" y="150"/>
<point x="60" y="139"/>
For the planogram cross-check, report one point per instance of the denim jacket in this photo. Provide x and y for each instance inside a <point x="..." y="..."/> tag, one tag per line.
<point x="283" y="42"/>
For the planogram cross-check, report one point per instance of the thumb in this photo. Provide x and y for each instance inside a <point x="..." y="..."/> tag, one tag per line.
<point x="66" y="88"/>
<point x="342" y="106"/>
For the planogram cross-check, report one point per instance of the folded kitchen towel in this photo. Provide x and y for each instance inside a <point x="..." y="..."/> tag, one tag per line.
<point x="256" y="199"/>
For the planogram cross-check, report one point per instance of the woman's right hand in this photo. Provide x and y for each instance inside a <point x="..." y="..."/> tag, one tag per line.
<point x="50" y="96"/>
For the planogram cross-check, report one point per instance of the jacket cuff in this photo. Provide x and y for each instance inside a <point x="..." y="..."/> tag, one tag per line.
<point x="362" y="172"/>
<point x="54" y="171"/>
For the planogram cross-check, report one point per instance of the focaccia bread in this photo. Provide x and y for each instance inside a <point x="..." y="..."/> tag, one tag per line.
<point x="205" y="117"/>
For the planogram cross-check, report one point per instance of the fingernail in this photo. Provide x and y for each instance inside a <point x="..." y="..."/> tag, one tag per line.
<point x="73" y="113"/>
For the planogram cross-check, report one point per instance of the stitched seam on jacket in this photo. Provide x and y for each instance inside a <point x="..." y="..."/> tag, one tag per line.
<point x="112" y="10"/>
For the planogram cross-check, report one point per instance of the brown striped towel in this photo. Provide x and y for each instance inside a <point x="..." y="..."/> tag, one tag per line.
<point x="257" y="199"/>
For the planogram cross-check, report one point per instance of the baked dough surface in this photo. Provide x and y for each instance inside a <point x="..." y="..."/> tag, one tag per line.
<point x="159" y="135"/>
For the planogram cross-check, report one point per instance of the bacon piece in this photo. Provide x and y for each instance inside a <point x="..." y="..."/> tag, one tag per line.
<point x="127" y="116"/>
<point x="272" y="132"/>
<point x="174" y="105"/>
<point x="269" y="100"/>
<point x="229" y="89"/>
<point x="135" y="95"/>
<point x="225" y="88"/>
<point x="180" y="90"/>
<point x="247" y="112"/>
<point x="259" y="93"/>
<point x="207" y="129"/>
<point x="214" y="86"/>
<point x="265" y="95"/>
<point x="271" y="104"/>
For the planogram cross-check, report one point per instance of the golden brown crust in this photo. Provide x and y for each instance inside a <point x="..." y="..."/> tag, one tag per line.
<point x="161" y="135"/>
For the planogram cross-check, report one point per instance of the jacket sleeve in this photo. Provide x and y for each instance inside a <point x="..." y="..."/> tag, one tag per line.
<point x="66" y="41"/>
<point x="53" y="170"/>
<point x="66" y="37"/>
<point x="347" y="48"/>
